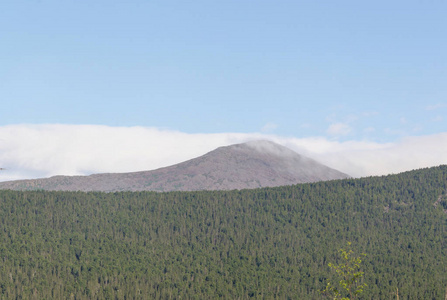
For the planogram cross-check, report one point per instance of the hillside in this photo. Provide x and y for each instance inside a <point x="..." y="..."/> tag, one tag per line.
<point x="242" y="166"/>
<point x="269" y="243"/>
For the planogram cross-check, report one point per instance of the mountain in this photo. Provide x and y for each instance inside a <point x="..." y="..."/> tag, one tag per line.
<point x="242" y="166"/>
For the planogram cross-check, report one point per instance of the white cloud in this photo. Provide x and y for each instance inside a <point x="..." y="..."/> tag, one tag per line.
<point x="369" y="129"/>
<point x="269" y="127"/>
<point x="370" y="114"/>
<point x="437" y="119"/>
<point x="306" y="125"/>
<point x="436" y="106"/>
<point x="396" y="132"/>
<point x="339" y="129"/>
<point x="32" y="151"/>
<point x="367" y="158"/>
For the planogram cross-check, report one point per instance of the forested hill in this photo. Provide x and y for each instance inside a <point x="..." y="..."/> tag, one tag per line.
<point x="262" y="243"/>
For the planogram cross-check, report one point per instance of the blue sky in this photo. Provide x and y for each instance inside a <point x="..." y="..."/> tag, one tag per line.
<point x="369" y="71"/>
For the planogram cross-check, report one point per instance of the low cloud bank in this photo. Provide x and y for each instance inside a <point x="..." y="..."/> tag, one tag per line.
<point x="35" y="151"/>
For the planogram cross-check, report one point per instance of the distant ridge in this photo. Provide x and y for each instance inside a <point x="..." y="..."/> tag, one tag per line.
<point x="249" y="165"/>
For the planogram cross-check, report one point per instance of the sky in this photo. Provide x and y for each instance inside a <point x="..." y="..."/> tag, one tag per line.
<point x="118" y="86"/>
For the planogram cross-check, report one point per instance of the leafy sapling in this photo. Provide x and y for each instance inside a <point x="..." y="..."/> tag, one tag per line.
<point x="350" y="277"/>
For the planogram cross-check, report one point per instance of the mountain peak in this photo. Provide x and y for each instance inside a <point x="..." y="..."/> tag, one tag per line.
<point x="266" y="146"/>
<point x="254" y="164"/>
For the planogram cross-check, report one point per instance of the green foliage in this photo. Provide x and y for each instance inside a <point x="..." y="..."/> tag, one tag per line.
<point x="264" y="244"/>
<point x="349" y="274"/>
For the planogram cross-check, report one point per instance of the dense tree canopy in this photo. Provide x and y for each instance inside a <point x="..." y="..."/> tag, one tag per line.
<point x="263" y="243"/>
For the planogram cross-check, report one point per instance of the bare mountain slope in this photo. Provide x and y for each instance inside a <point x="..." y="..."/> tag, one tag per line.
<point x="242" y="166"/>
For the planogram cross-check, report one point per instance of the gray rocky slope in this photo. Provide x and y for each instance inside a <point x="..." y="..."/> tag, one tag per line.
<point x="242" y="166"/>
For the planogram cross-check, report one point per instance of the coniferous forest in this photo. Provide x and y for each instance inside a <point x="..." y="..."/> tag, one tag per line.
<point x="271" y="243"/>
